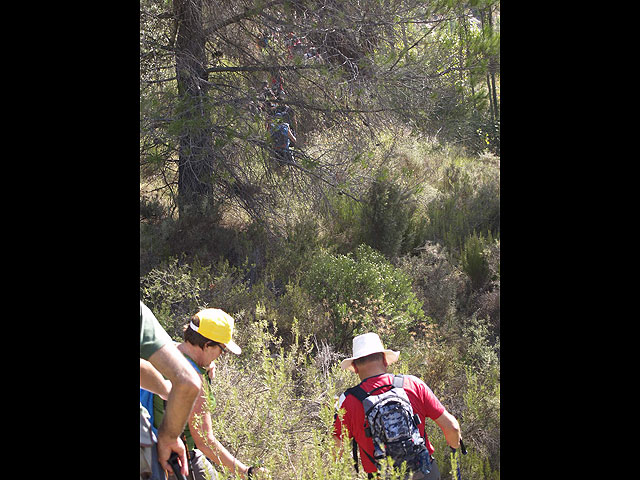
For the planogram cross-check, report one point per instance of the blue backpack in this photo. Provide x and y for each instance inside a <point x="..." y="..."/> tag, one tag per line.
<point x="146" y="399"/>
<point x="279" y="131"/>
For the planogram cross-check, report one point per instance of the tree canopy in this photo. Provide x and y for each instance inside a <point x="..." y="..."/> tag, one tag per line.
<point x="351" y="72"/>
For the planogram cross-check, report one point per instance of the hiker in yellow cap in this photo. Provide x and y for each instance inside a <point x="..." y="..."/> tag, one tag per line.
<point x="158" y="358"/>
<point x="207" y="337"/>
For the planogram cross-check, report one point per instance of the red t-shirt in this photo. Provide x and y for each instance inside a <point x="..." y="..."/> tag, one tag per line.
<point x="422" y="399"/>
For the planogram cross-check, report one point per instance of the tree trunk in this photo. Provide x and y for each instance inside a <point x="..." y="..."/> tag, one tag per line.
<point x="195" y="161"/>
<point x="492" y="72"/>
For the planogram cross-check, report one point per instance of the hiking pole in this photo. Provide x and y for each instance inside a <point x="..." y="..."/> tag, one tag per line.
<point x="462" y="447"/>
<point x="175" y="465"/>
<point x="455" y="464"/>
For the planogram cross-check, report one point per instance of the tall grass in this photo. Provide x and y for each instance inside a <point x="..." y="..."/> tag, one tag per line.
<point x="274" y="405"/>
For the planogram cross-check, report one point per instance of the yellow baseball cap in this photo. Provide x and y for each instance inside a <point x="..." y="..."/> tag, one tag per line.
<point x="216" y="325"/>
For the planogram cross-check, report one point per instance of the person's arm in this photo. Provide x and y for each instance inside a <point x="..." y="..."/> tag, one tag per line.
<point x="450" y="427"/>
<point x="337" y="427"/>
<point x="202" y="433"/>
<point x="291" y="137"/>
<point x="150" y="379"/>
<point x="337" y="450"/>
<point x="186" y="384"/>
<point x="211" y="370"/>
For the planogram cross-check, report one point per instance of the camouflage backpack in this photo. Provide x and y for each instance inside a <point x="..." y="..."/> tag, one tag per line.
<point x="391" y="423"/>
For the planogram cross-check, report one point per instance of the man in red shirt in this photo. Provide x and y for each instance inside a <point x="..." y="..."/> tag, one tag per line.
<point x="370" y="361"/>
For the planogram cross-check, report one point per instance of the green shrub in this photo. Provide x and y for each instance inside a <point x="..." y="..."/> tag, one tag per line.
<point x="343" y="223"/>
<point x="290" y="255"/>
<point x="177" y="290"/>
<point x="436" y="280"/>
<point x="174" y="293"/>
<point x="467" y="382"/>
<point x="473" y="260"/>
<point x="363" y="292"/>
<point x="386" y="216"/>
<point x="469" y="201"/>
<point x="481" y="420"/>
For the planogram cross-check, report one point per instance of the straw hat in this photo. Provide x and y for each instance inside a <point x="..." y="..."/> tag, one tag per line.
<point x="366" y="344"/>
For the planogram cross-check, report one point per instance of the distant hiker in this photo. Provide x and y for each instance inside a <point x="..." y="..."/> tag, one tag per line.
<point x="312" y="52"/>
<point x="288" y="115"/>
<point x="265" y="97"/>
<point x="263" y="41"/>
<point x="206" y="338"/>
<point x="293" y="44"/>
<point x="277" y="87"/>
<point x="280" y="135"/>
<point x="394" y="432"/>
<point x="157" y="347"/>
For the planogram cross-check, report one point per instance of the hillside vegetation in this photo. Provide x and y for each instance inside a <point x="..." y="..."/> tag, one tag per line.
<point x="386" y="218"/>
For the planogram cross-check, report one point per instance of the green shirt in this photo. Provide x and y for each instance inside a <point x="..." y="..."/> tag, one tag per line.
<point x="152" y="335"/>
<point x="159" y="404"/>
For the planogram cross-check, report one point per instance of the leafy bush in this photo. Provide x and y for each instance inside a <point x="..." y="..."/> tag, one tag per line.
<point x="473" y="260"/>
<point x="174" y="293"/>
<point x="177" y="290"/>
<point x="363" y="292"/>
<point x="436" y="281"/>
<point x="386" y="216"/>
<point x="482" y="422"/>
<point x="469" y="201"/>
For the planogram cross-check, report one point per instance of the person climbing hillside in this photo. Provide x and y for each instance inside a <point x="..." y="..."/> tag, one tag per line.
<point x="207" y="336"/>
<point x="265" y="97"/>
<point x="288" y="115"/>
<point x="158" y="354"/>
<point x="277" y="87"/>
<point x="280" y="134"/>
<point x="389" y="396"/>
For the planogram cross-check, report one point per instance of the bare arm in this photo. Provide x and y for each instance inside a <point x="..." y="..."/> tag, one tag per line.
<point x="152" y="380"/>
<point x="337" y="450"/>
<point x="450" y="427"/>
<point x="186" y="384"/>
<point x="202" y="432"/>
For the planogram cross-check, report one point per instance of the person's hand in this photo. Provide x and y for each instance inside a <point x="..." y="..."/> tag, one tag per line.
<point x="211" y="370"/>
<point x="259" y="473"/>
<point x="168" y="445"/>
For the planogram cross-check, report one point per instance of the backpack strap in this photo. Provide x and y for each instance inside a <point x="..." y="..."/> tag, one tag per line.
<point x="354" y="453"/>
<point x="357" y="392"/>
<point x="360" y="394"/>
<point x="398" y="382"/>
<point x="354" y="447"/>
